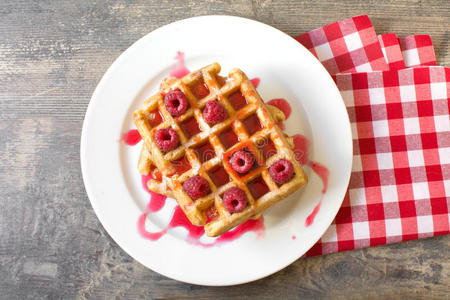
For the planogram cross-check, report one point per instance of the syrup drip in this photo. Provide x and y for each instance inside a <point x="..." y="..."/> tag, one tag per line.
<point x="282" y="105"/>
<point x="179" y="70"/>
<point x="179" y="219"/>
<point x="157" y="201"/>
<point x="310" y="218"/>
<point x="301" y="154"/>
<point x="256" y="225"/>
<point x="255" y="81"/>
<point x="322" y="172"/>
<point x="131" y="137"/>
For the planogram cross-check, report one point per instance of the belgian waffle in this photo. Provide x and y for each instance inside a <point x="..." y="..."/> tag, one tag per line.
<point x="207" y="149"/>
<point x="158" y="185"/>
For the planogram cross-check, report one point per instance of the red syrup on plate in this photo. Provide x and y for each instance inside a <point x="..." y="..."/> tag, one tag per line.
<point x="131" y="137"/>
<point x="256" y="225"/>
<point x="312" y="215"/>
<point x="282" y="105"/>
<point x="255" y="81"/>
<point x="155" y="203"/>
<point x="179" y="70"/>
<point x="301" y="154"/>
<point x="179" y="219"/>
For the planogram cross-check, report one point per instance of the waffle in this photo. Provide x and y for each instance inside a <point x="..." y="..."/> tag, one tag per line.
<point x="207" y="149"/>
<point x="158" y="184"/>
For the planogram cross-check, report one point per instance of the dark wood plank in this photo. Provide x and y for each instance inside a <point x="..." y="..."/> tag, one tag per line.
<point x="52" y="55"/>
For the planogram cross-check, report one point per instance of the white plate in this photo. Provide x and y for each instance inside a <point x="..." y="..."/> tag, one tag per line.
<point x="287" y="70"/>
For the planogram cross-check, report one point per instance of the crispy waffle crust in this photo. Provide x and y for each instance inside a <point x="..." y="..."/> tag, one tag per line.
<point x="205" y="150"/>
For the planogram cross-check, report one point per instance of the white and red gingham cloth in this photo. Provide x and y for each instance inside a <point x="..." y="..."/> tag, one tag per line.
<point x="398" y="104"/>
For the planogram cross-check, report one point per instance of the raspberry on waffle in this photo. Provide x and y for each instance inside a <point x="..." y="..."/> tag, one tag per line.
<point x="208" y="148"/>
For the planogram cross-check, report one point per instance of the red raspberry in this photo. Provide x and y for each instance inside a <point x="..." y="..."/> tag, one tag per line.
<point x="214" y="112"/>
<point x="196" y="187"/>
<point x="166" y="139"/>
<point x="241" y="161"/>
<point x="176" y="102"/>
<point x="281" y="171"/>
<point x="234" y="200"/>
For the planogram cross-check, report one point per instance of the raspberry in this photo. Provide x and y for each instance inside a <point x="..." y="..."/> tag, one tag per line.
<point x="234" y="200"/>
<point x="176" y="102"/>
<point x="241" y="161"/>
<point x="166" y="139"/>
<point x="281" y="171"/>
<point x="196" y="187"/>
<point x="214" y="112"/>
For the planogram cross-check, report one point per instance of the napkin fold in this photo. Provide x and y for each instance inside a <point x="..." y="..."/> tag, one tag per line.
<point x="392" y="52"/>
<point x="417" y="50"/>
<point x="398" y="105"/>
<point x="346" y="46"/>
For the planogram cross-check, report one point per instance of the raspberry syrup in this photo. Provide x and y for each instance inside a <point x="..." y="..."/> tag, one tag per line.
<point x="301" y="154"/>
<point x="256" y="225"/>
<point x="131" y="137"/>
<point x="237" y="100"/>
<point x="282" y="105"/>
<point x="258" y="187"/>
<point x="181" y="165"/>
<point x="255" y="81"/>
<point x="219" y="176"/>
<point x="155" y="118"/>
<point x="310" y="218"/>
<point x="157" y="201"/>
<point x="200" y="90"/>
<point x="190" y="127"/>
<point x="179" y="70"/>
<point x="252" y="124"/>
<point x="228" y="138"/>
<point x="179" y="219"/>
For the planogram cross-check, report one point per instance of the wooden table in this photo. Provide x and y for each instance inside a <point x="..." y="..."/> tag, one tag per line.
<point x="52" y="55"/>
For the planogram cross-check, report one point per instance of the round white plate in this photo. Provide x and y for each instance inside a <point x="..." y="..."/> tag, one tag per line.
<point x="287" y="70"/>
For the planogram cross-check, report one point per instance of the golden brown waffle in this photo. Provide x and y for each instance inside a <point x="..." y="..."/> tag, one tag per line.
<point x="158" y="185"/>
<point x="209" y="150"/>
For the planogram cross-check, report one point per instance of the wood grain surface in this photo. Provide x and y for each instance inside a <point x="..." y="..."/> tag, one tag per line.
<point x="52" y="55"/>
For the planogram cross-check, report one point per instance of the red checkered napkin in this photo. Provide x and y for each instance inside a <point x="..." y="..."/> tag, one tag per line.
<point x="400" y="183"/>
<point x="417" y="50"/>
<point x="392" y="51"/>
<point x="346" y="46"/>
